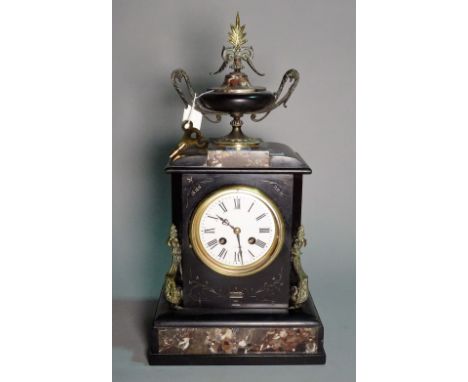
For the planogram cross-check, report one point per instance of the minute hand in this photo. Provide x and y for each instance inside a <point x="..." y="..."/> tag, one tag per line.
<point x="240" y="248"/>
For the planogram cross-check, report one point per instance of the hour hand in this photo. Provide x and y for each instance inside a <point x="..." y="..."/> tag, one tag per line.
<point x="225" y="222"/>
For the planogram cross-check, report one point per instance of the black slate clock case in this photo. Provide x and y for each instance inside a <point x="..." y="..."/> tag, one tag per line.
<point x="256" y="306"/>
<point x="192" y="182"/>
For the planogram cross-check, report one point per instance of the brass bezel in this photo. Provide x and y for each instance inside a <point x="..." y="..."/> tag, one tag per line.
<point x="229" y="270"/>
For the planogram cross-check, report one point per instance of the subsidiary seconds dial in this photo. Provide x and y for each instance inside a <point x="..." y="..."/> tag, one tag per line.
<point x="237" y="231"/>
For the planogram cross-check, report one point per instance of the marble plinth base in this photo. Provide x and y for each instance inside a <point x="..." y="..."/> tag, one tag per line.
<point x="205" y="337"/>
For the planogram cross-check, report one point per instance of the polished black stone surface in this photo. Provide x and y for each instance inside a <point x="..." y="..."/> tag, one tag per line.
<point x="237" y="102"/>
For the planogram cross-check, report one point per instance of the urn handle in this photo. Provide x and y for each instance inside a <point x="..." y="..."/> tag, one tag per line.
<point x="177" y="77"/>
<point x="292" y="75"/>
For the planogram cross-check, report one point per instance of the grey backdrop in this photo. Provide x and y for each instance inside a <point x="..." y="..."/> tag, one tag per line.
<point x="150" y="39"/>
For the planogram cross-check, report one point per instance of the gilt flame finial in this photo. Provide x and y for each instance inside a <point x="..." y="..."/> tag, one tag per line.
<point x="237" y="35"/>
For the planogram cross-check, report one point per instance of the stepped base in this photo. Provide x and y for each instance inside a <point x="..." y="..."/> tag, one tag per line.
<point x="260" y="337"/>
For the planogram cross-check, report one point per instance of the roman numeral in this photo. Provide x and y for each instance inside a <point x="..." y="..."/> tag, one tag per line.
<point x="222" y="253"/>
<point x="264" y="230"/>
<point x="259" y="217"/>
<point x="251" y="254"/>
<point x="209" y="230"/>
<point x="212" y="243"/>
<point x="222" y="206"/>
<point x="260" y="243"/>
<point x="212" y="217"/>
<point x="250" y="206"/>
<point x="237" y="203"/>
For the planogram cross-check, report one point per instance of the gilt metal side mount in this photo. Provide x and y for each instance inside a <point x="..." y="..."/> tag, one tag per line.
<point x="172" y="291"/>
<point x="300" y="291"/>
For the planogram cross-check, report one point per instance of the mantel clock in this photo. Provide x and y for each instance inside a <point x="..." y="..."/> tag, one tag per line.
<point x="235" y="292"/>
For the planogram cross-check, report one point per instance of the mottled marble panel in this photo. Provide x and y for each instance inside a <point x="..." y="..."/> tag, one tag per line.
<point x="238" y="158"/>
<point x="237" y="340"/>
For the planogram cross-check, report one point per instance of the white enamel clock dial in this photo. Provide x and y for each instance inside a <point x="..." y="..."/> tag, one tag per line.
<point x="237" y="231"/>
